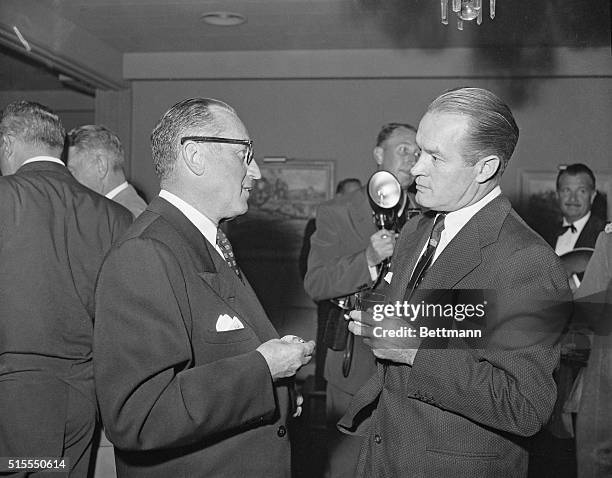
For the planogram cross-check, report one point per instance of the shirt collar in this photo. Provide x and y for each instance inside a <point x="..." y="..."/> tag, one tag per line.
<point x="113" y="192"/>
<point x="43" y="158"/>
<point x="580" y="223"/>
<point x="455" y="220"/>
<point x="199" y="220"/>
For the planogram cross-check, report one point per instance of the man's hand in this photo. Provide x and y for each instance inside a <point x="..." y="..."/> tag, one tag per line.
<point x="380" y="247"/>
<point x="285" y="356"/>
<point x="381" y="336"/>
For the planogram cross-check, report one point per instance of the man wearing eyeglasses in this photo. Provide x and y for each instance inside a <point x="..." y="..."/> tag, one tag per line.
<point x="345" y="251"/>
<point x="192" y="378"/>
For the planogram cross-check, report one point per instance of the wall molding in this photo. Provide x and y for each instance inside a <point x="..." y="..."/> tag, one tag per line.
<point x="363" y="64"/>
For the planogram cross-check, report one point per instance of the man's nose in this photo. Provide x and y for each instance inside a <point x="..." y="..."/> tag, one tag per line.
<point x="253" y="170"/>
<point x="418" y="166"/>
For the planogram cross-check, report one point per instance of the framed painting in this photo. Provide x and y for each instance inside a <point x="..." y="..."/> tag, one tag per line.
<point x="280" y="205"/>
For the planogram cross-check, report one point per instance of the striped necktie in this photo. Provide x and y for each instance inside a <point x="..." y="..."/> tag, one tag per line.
<point x="227" y="251"/>
<point x="427" y="257"/>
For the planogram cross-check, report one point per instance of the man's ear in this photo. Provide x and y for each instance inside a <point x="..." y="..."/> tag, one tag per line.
<point x="194" y="158"/>
<point x="101" y="165"/>
<point x="378" y="155"/>
<point x="593" y="196"/>
<point x="7" y="146"/>
<point x="487" y="168"/>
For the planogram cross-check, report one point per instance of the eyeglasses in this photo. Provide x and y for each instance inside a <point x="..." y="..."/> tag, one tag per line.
<point x="248" y="153"/>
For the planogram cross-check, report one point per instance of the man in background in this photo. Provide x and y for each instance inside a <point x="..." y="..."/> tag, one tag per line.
<point x="346" y="249"/>
<point x="54" y="233"/>
<point x="191" y="376"/>
<point x="96" y="158"/>
<point x="326" y="310"/>
<point x="576" y="192"/>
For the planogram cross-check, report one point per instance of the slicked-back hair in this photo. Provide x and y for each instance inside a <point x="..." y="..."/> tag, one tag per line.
<point x="575" y="169"/>
<point x="193" y="116"/>
<point x="492" y="129"/>
<point x="34" y="124"/>
<point x="95" y="138"/>
<point x="388" y="129"/>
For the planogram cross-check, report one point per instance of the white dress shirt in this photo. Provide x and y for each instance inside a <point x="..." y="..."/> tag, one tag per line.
<point x="199" y="220"/>
<point x="43" y="158"/>
<point x="567" y="241"/>
<point x="455" y="220"/>
<point x="113" y="192"/>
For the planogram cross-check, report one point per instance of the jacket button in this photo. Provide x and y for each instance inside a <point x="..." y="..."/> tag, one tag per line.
<point x="282" y="431"/>
<point x="377" y="438"/>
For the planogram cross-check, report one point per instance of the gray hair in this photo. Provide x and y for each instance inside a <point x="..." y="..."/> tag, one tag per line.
<point x="94" y="138"/>
<point x="33" y="124"/>
<point x="492" y="128"/>
<point x="180" y="120"/>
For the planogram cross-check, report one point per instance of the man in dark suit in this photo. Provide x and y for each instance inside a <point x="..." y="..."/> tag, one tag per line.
<point x="191" y="376"/>
<point x="345" y="250"/>
<point x="54" y="233"/>
<point x="472" y="371"/>
<point x="576" y="192"/>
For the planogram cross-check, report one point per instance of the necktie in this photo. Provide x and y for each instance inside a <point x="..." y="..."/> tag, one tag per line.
<point x="564" y="229"/>
<point x="227" y="251"/>
<point x="427" y="257"/>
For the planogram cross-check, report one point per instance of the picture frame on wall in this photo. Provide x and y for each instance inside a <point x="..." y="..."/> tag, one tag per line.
<point x="280" y="205"/>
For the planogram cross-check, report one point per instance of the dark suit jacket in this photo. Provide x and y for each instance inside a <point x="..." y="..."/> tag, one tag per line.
<point x="587" y="236"/>
<point x="460" y="408"/>
<point x="177" y="397"/>
<point x="54" y="233"/>
<point x="594" y="306"/>
<point x="337" y="266"/>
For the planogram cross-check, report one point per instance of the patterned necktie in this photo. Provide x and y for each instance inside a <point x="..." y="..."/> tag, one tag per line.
<point x="427" y="257"/>
<point x="227" y="251"/>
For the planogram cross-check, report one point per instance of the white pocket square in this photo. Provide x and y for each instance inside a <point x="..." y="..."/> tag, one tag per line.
<point x="226" y="323"/>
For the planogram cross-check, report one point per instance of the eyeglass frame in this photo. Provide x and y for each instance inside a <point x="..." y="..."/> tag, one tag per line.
<point x="248" y="154"/>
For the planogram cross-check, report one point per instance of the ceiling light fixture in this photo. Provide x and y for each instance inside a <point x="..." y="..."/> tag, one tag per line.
<point x="223" y="19"/>
<point x="466" y="10"/>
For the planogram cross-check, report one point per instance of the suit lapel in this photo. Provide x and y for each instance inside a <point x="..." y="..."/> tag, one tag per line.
<point x="239" y="296"/>
<point x="412" y="239"/>
<point x="215" y="272"/>
<point x="589" y="233"/>
<point x="460" y="257"/>
<point x="464" y="252"/>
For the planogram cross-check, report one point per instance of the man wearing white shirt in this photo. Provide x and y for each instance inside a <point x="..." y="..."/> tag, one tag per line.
<point x="467" y="349"/>
<point x="191" y="376"/>
<point x="54" y="233"/>
<point x="96" y="158"/>
<point x="576" y="192"/>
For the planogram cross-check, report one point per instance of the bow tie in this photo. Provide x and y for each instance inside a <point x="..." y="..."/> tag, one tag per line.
<point x="564" y="229"/>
